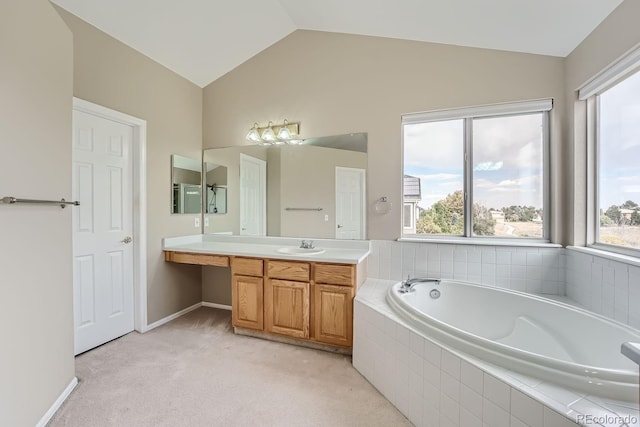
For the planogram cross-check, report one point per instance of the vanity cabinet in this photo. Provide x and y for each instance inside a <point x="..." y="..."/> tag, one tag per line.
<point x="287" y="298"/>
<point x="247" y="293"/>
<point x="334" y="290"/>
<point x="306" y="300"/>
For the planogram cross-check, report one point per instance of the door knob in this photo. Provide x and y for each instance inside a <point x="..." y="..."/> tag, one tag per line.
<point x="339" y="226"/>
<point x="127" y="240"/>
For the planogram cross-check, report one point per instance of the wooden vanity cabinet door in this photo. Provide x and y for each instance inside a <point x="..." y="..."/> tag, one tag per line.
<point x="246" y="302"/>
<point x="333" y="314"/>
<point x="286" y="308"/>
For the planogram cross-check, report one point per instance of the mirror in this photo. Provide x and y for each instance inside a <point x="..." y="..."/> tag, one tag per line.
<point x="215" y="200"/>
<point x="186" y="184"/>
<point x="313" y="189"/>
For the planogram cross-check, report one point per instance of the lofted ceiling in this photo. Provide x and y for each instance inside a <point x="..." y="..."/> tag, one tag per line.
<point x="204" y="39"/>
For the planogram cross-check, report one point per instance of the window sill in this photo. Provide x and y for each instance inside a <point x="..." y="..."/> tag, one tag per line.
<point x="613" y="256"/>
<point x="483" y="242"/>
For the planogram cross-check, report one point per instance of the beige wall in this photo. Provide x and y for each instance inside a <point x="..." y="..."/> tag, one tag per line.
<point x="230" y="157"/>
<point x="308" y="180"/>
<point x="186" y="176"/>
<point x="338" y="83"/>
<point x="36" y="301"/>
<point x="616" y="35"/>
<point x="111" y="74"/>
<point x="216" y="285"/>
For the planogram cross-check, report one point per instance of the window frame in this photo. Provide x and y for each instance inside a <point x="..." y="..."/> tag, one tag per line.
<point x="468" y="115"/>
<point x="618" y="72"/>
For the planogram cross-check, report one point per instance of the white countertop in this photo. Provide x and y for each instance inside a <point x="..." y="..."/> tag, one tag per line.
<point x="337" y="251"/>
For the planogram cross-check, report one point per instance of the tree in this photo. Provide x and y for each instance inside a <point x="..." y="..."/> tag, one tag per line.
<point x="446" y="216"/>
<point x="614" y="214"/>
<point x="483" y="222"/>
<point x="520" y="213"/>
<point x="629" y="204"/>
<point x="605" y="221"/>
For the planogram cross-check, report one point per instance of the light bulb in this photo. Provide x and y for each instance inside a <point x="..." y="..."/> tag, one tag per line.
<point x="284" y="132"/>
<point x="253" y="134"/>
<point x="268" y="134"/>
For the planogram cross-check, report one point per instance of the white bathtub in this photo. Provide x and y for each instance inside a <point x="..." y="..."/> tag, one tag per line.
<point x="536" y="336"/>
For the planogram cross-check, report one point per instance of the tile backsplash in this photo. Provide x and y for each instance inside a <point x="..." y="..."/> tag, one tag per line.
<point x="605" y="286"/>
<point x="528" y="269"/>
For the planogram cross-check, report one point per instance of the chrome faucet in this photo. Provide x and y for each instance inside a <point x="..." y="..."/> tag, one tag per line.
<point x="307" y="244"/>
<point x="407" y="285"/>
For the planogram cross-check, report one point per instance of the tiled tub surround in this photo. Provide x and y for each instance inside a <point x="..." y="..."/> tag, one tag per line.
<point x="534" y="269"/>
<point x="434" y="385"/>
<point x="604" y="284"/>
<point x="542" y="338"/>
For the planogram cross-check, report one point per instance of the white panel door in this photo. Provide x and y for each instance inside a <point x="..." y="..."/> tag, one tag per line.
<point x="253" y="196"/>
<point x="102" y="229"/>
<point x="350" y="205"/>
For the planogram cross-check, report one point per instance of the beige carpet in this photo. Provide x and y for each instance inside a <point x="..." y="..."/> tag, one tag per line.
<point x="194" y="371"/>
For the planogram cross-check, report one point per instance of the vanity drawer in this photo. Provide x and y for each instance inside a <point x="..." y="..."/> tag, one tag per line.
<point x="299" y="271"/>
<point x="199" y="259"/>
<point x="335" y="274"/>
<point x="247" y="266"/>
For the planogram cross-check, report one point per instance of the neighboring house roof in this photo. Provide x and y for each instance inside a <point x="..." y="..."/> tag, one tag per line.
<point x="412" y="189"/>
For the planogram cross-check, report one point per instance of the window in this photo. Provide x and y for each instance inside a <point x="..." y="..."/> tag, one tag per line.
<point x="615" y="113"/>
<point x="481" y="170"/>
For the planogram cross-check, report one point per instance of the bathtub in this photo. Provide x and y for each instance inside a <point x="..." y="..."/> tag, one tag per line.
<point x="536" y="336"/>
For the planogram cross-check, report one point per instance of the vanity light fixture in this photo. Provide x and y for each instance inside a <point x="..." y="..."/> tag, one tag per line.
<point x="267" y="135"/>
<point x="284" y="133"/>
<point x="253" y="134"/>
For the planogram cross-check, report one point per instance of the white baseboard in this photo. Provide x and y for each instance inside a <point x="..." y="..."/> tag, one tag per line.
<point x="173" y="316"/>
<point x="216" y="305"/>
<point x="58" y="403"/>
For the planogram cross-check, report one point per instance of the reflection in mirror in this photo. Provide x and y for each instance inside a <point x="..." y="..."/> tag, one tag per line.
<point x="215" y="201"/>
<point x="186" y="179"/>
<point x="314" y="189"/>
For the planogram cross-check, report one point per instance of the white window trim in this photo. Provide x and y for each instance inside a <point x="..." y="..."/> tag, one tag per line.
<point x="622" y="68"/>
<point x="483" y="111"/>
<point x="507" y="108"/>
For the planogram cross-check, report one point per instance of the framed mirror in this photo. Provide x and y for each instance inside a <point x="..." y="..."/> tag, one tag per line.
<point x="186" y="185"/>
<point x="314" y="189"/>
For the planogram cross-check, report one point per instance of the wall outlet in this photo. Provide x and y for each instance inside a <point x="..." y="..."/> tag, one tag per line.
<point x="196" y="222"/>
<point x="326" y="218"/>
<point x="206" y="221"/>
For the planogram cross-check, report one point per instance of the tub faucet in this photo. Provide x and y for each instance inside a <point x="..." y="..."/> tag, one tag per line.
<point x="407" y="285"/>
<point x="307" y="244"/>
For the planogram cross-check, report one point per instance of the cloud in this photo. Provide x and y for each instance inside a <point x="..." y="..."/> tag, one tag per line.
<point x="440" y="177"/>
<point x="635" y="178"/>
<point x="488" y="166"/>
<point x="630" y="189"/>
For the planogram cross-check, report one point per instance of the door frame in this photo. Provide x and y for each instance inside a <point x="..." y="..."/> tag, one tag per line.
<point x="363" y="199"/>
<point x="139" y="159"/>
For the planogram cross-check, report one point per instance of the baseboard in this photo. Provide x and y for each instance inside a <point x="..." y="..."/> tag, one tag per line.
<point x="173" y="316"/>
<point x="216" y="305"/>
<point x="58" y="403"/>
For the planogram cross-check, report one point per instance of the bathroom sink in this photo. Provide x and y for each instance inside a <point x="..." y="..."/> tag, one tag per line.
<point x="292" y="250"/>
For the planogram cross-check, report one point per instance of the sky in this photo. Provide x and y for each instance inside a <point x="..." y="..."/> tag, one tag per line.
<point x="507" y="154"/>
<point x="619" y="143"/>
<point x="507" y="159"/>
